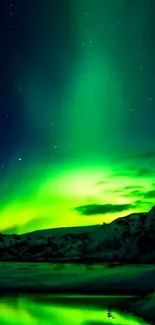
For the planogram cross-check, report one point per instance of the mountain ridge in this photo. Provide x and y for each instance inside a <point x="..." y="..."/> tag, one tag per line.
<point x="129" y="239"/>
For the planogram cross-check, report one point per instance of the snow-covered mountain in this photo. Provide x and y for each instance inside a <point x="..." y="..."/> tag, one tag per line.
<point x="130" y="239"/>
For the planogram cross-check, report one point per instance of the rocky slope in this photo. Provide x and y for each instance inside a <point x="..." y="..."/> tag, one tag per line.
<point x="129" y="240"/>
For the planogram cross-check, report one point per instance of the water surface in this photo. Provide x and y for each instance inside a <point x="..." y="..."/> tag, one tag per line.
<point x="66" y="310"/>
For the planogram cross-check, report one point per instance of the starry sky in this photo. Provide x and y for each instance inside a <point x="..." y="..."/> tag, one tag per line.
<point x="77" y="112"/>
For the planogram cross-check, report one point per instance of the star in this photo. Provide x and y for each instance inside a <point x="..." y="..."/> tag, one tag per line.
<point x="19" y="158"/>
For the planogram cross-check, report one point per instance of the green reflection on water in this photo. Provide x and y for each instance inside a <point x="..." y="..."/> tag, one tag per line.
<point x="25" y="311"/>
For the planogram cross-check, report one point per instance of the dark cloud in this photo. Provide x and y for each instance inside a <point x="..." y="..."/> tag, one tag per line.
<point x="141" y="194"/>
<point x="134" y="187"/>
<point x="101" y="183"/>
<point x="150" y="194"/>
<point x="94" y="209"/>
<point x="136" y="193"/>
<point x="129" y="191"/>
<point x="144" y="156"/>
<point x="140" y="171"/>
<point x="145" y="171"/>
<point x="137" y="171"/>
<point x="138" y="203"/>
<point x="149" y="154"/>
<point x="134" y="171"/>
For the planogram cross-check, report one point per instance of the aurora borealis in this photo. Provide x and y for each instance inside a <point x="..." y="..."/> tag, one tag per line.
<point x="77" y="112"/>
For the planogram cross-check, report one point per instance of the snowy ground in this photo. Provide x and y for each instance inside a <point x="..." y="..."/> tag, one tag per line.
<point x="94" y="279"/>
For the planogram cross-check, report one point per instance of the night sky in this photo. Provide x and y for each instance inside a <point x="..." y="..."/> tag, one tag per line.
<point x="77" y="111"/>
